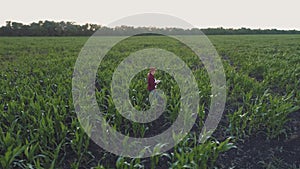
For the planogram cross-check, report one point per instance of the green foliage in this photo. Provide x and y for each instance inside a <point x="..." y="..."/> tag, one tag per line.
<point x="51" y="28"/>
<point x="39" y="128"/>
<point x="201" y="156"/>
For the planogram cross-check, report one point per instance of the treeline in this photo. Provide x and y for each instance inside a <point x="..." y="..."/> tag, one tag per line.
<point x="51" y="28"/>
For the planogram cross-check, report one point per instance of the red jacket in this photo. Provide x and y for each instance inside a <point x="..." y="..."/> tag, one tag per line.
<point x="151" y="82"/>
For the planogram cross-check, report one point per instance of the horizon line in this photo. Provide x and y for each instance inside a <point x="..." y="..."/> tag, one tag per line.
<point x="163" y="27"/>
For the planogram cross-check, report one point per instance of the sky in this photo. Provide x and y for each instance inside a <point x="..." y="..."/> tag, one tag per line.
<point x="264" y="14"/>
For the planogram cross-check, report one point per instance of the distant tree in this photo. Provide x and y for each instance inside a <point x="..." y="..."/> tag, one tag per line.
<point x="51" y="28"/>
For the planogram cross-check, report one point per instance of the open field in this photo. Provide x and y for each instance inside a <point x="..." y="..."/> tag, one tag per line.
<point x="259" y="127"/>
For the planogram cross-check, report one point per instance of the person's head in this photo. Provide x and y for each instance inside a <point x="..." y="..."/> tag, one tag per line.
<point x="152" y="70"/>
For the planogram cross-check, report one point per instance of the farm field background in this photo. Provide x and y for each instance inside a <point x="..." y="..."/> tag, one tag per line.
<point x="259" y="128"/>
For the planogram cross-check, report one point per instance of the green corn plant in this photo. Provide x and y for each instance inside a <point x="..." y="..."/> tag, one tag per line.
<point x="10" y="156"/>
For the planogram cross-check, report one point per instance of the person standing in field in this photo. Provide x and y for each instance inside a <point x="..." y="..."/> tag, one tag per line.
<point x="151" y="80"/>
<point x="152" y="83"/>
